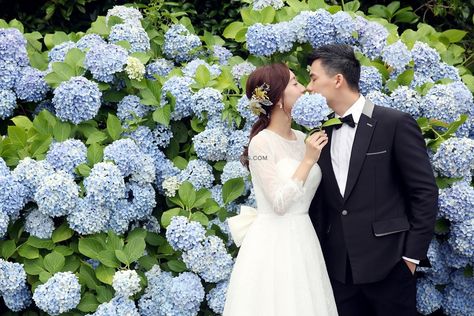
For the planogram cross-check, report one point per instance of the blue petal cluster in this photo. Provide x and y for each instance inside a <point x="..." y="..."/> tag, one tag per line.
<point x="184" y="235"/>
<point x="199" y="173"/>
<point x="104" y="61"/>
<point x="67" y="155"/>
<point x="180" y="45"/>
<point x="310" y="110"/>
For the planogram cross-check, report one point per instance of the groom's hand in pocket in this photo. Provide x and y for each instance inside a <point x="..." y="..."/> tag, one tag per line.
<point x="411" y="266"/>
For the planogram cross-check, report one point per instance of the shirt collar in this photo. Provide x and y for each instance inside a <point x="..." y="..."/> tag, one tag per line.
<point x="355" y="109"/>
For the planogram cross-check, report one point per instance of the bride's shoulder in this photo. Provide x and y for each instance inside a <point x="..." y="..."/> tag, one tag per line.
<point x="299" y="134"/>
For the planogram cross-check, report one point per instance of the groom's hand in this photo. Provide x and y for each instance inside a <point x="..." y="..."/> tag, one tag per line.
<point x="411" y="266"/>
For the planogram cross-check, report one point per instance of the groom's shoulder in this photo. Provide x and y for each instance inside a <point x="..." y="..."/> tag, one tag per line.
<point x="389" y="113"/>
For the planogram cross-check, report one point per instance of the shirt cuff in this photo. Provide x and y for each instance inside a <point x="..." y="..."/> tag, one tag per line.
<point x="417" y="262"/>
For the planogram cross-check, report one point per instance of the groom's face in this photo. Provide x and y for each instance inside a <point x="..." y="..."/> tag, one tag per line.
<point x="320" y="81"/>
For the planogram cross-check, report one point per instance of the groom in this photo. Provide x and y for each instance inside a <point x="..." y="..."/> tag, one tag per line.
<point x="376" y="206"/>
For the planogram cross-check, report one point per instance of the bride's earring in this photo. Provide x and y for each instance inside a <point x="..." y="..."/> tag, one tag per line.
<point x="281" y="106"/>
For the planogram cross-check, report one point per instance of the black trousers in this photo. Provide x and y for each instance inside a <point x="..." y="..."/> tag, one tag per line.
<point x="393" y="296"/>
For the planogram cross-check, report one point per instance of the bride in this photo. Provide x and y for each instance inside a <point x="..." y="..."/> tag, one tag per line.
<point x="280" y="268"/>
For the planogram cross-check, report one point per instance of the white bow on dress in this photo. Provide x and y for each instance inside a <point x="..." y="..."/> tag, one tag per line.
<point x="240" y="224"/>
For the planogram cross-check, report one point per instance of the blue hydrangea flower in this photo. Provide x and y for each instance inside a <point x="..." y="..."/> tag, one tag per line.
<point x="170" y="185"/>
<point x="439" y="271"/>
<point x="141" y="198"/>
<point x="455" y="157"/>
<point x="39" y="225"/>
<point x="344" y="28"/>
<point x="9" y="73"/>
<point x="235" y="169"/>
<point x="238" y="139"/>
<point x="407" y="100"/>
<point x="162" y="135"/>
<point x="18" y="300"/>
<point x="455" y="259"/>
<point x="149" y="223"/>
<point x="188" y="293"/>
<point x="190" y="69"/>
<point x="89" y="41"/>
<point x="30" y="173"/>
<point x="4" y="170"/>
<point x="88" y="217"/>
<point x="4" y="221"/>
<point x="133" y="33"/>
<point x="428" y="298"/>
<point x="126" y="155"/>
<point x="130" y="106"/>
<point x="424" y="58"/>
<point x="180" y="45"/>
<point x="370" y="79"/>
<point x="12" y="276"/>
<point x="461" y="237"/>
<point x="127" y="14"/>
<point x="60" y="294"/>
<point x="57" y="194"/>
<point x="7" y="103"/>
<point x="103" y="61"/>
<point x="77" y="100"/>
<point x="210" y="260"/>
<point x="299" y="23"/>
<point x="58" y="53"/>
<point x="159" y="67"/>
<point x="126" y="283"/>
<point x="457" y="302"/>
<point x="207" y="100"/>
<point x="372" y="38"/>
<point x="463" y="282"/>
<point x="419" y="79"/>
<point x="262" y="4"/>
<point x="286" y="36"/>
<point x="67" y="155"/>
<point x="396" y="55"/>
<point x="379" y="98"/>
<point x="44" y="105"/>
<point x="310" y="110"/>
<point x="261" y="40"/>
<point x="146" y="173"/>
<point x="179" y="88"/>
<point x="222" y="54"/>
<point x="320" y="28"/>
<point x="118" y="306"/>
<point x="184" y="235"/>
<point x="243" y="107"/>
<point x="120" y="217"/>
<point x="12" y="199"/>
<point x="105" y="184"/>
<point x="457" y="202"/>
<point x="240" y="70"/>
<point x="216" y="297"/>
<point x="211" y="144"/>
<point x="31" y="85"/>
<point x="13" y="48"/>
<point x="445" y="71"/>
<point x="164" y="169"/>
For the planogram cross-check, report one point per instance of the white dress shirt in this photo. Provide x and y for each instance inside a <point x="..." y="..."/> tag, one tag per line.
<point x="342" y="140"/>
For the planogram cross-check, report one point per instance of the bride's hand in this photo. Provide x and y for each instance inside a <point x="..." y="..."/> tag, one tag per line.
<point x="314" y="145"/>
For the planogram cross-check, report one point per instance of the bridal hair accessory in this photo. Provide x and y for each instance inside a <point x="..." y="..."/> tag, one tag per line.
<point x="259" y="99"/>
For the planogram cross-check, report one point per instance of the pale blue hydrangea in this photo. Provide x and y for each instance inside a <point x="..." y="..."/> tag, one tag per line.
<point x="180" y="44"/>
<point x="461" y="237"/>
<point x="238" y="139"/>
<point x="159" y="67"/>
<point x="455" y="259"/>
<point x="77" y="100"/>
<point x="240" y="70"/>
<point x="216" y="297"/>
<point x="183" y="235"/>
<point x="31" y="85"/>
<point x="216" y="193"/>
<point x="4" y="170"/>
<point x="344" y="28"/>
<point x="407" y="100"/>
<point x="445" y="71"/>
<point x="105" y="184"/>
<point x="320" y="28"/>
<point x="18" y="300"/>
<point x="188" y="293"/>
<point x="39" y="225"/>
<point x="439" y="271"/>
<point x="89" y="41"/>
<point x="235" y="169"/>
<point x="118" y="306"/>
<point x="424" y="58"/>
<point x="261" y="4"/>
<point x="372" y="38"/>
<point x="146" y="173"/>
<point x="210" y="260"/>
<point x="455" y="157"/>
<point x="463" y="282"/>
<point x="243" y="107"/>
<point x="126" y="155"/>
<point x="133" y="33"/>
<point x="7" y="103"/>
<point x="4" y="221"/>
<point x="428" y="298"/>
<point x="211" y="144"/>
<point x="370" y="79"/>
<point x="58" y="53"/>
<point x="286" y="36"/>
<point x="12" y="199"/>
<point x="300" y="24"/>
<point x="164" y="169"/>
<point x="457" y="202"/>
<point x="162" y="135"/>
<point x="12" y="48"/>
<point x="179" y="88"/>
<point x="190" y="69"/>
<point x="127" y="14"/>
<point x="120" y="217"/>
<point x="145" y="139"/>
<point x="126" y="283"/>
<point x="12" y="276"/>
<point x="60" y="294"/>
<point x="130" y="107"/>
<point x="208" y="100"/>
<point x="141" y="198"/>
<point x="150" y="224"/>
<point x="57" y="194"/>
<point x="88" y="217"/>
<point x="379" y="98"/>
<point x="30" y="173"/>
<point x="457" y="302"/>
<point x="9" y="73"/>
<point x="396" y="55"/>
<point x="219" y="122"/>
<point x="420" y="79"/>
<point x="44" y="105"/>
<point x="104" y="61"/>
<point x="310" y="110"/>
<point x="222" y="54"/>
<point x="261" y="40"/>
<point x="67" y="155"/>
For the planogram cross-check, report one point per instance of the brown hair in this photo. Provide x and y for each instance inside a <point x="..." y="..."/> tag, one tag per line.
<point x="277" y="77"/>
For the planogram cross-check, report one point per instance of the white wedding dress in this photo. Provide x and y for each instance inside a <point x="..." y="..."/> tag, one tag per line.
<point x="280" y="269"/>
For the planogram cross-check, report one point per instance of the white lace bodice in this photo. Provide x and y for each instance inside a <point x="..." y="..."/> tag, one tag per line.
<point x="272" y="161"/>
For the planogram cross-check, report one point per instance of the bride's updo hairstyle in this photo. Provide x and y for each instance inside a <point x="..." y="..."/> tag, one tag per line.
<point x="275" y="77"/>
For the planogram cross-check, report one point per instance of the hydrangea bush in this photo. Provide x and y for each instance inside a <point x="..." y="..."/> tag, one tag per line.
<point x="120" y="147"/>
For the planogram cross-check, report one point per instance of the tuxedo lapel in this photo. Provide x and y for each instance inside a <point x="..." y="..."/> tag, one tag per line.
<point x="363" y="136"/>
<point x="326" y="164"/>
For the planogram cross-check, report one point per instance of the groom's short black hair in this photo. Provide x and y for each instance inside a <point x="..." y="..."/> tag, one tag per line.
<point x="338" y="59"/>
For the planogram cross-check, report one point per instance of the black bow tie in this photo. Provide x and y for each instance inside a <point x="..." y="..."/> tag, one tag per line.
<point x="347" y="120"/>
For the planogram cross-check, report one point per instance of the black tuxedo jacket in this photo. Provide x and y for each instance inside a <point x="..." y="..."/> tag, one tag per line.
<point x="390" y="203"/>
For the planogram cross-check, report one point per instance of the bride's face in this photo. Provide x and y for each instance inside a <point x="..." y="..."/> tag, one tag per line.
<point x="292" y="92"/>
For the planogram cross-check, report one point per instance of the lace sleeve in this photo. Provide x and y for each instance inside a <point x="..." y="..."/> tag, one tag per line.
<point x="279" y="191"/>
